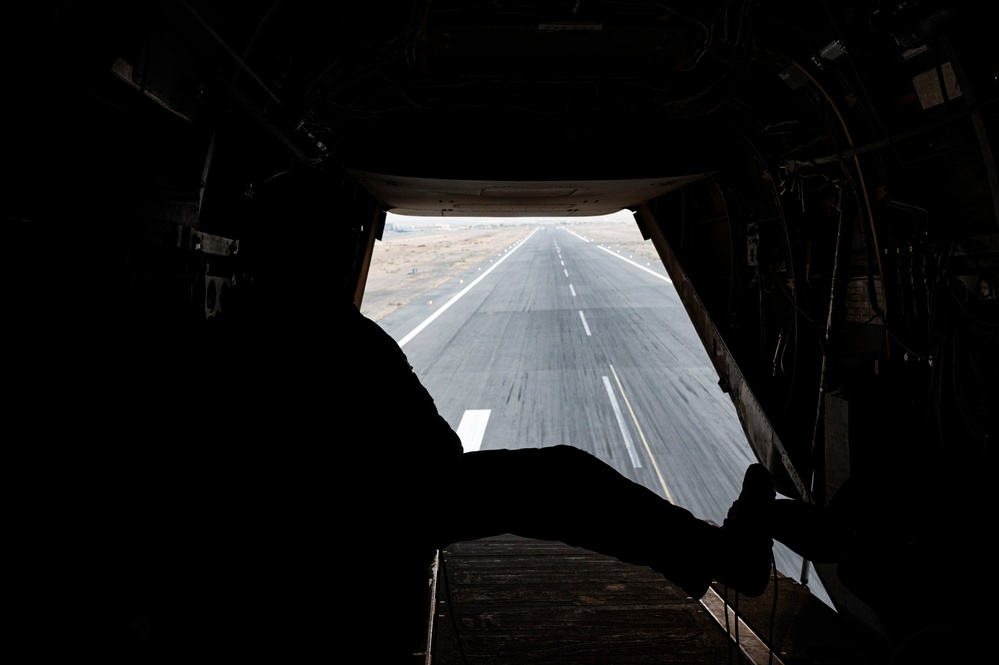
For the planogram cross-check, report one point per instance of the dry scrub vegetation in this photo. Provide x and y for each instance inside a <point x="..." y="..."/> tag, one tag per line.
<point x="406" y="265"/>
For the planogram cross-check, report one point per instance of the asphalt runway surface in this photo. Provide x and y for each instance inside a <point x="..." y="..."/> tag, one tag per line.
<point x="557" y="339"/>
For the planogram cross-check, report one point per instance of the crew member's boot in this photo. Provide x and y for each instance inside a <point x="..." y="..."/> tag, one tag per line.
<point x="746" y="550"/>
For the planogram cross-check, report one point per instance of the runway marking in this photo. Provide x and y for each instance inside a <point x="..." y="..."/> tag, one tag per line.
<point x="635" y="462"/>
<point x="465" y="290"/>
<point x="572" y="291"/>
<point x="585" y="326"/>
<point x="637" y="265"/>
<point x="472" y="427"/>
<point x="645" y="442"/>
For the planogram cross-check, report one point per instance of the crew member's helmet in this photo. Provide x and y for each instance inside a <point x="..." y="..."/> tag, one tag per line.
<point x="302" y="232"/>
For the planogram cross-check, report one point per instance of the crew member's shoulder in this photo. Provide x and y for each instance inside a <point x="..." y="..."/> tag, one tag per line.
<point x="361" y="328"/>
<point x="347" y="309"/>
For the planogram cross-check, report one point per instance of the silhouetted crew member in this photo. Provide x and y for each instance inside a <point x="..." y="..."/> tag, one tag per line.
<point x="299" y="513"/>
<point x="424" y="493"/>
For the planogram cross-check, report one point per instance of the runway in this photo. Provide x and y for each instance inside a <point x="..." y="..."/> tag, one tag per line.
<point x="560" y="340"/>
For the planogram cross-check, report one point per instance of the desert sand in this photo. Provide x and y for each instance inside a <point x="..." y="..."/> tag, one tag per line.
<point x="407" y="264"/>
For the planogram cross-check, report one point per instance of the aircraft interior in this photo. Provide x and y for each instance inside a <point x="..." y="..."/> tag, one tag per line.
<point x="818" y="178"/>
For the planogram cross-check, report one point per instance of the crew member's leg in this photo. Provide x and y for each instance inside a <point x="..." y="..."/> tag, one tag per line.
<point x="564" y="493"/>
